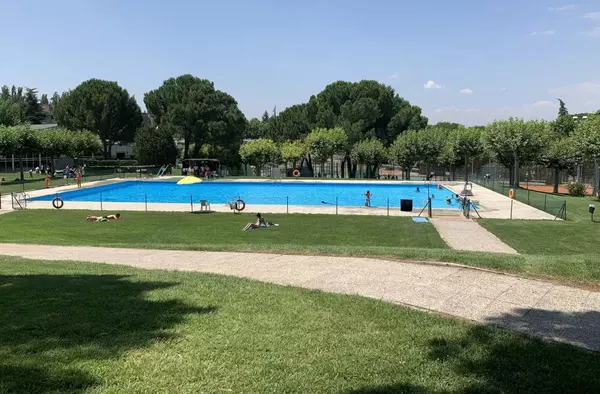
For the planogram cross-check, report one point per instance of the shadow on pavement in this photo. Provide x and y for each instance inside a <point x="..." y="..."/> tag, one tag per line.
<point x="578" y="328"/>
<point x="49" y="323"/>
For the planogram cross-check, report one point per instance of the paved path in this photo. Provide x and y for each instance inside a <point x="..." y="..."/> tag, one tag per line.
<point x="555" y="312"/>
<point x="494" y="205"/>
<point x="465" y="234"/>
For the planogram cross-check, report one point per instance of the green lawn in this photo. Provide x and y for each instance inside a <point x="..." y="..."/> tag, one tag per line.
<point x="78" y="327"/>
<point x="386" y="237"/>
<point x="217" y="230"/>
<point x="575" y="236"/>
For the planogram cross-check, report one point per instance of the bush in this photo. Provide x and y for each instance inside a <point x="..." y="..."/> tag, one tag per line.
<point x="576" y="189"/>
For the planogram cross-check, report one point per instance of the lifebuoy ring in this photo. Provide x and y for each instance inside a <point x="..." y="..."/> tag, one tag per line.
<point x="58" y="202"/>
<point x="296" y="173"/>
<point x="240" y="205"/>
<point x="511" y="193"/>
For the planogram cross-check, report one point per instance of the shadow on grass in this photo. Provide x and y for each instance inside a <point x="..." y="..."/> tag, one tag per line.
<point x="50" y="323"/>
<point x="504" y="362"/>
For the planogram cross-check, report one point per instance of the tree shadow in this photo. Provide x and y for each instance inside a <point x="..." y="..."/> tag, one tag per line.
<point x="578" y="328"/>
<point x="522" y="363"/>
<point x="49" y="322"/>
<point x="488" y="360"/>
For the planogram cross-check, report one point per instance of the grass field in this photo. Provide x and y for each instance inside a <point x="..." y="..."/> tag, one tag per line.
<point x="198" y="231"/>
<point x="394" y="238"/>
<point x="79" y="327"/>
<point x="578" y="235"/>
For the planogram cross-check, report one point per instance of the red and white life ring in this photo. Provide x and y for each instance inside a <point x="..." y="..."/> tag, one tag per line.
<point x="296" y="173"/>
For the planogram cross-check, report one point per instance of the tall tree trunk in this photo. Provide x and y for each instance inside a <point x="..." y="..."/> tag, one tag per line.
<point x="21" y="166"/>
<point x="332" y="172"/>
<point x="466" y="168"/>
<point x="342" y="167"/>
<point x="516" y="180"/>
<point x="556" y="180"/>
<point x="406" y="172"/>
<point x="186" y="148"/>
<point x="511" y="175"/>
<point x="349" y="163"/>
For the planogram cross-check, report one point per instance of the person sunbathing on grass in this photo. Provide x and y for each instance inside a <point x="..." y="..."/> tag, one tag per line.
<point x="259" y="223"/>
<point x="104" y="218"/>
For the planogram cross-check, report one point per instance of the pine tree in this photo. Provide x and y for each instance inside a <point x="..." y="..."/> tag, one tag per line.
<point x="32" y="109"/>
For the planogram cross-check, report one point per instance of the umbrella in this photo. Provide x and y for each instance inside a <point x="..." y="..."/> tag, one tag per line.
<point x="188" y="180"/>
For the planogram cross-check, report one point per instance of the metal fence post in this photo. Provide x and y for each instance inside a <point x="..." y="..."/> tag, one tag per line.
<point x="100" y="201"/>
<point x="545" y="201"/>
<point x="336" y="205"/>
<point x="528" y="195"/>
<point x="511" y="207"/>
<point x="146" y="201"/>
<point x="388" y="207"/>
<point x="191" y="203"/>
<point x="287" y="204"/>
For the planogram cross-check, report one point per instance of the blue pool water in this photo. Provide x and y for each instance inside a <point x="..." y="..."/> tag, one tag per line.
<point x="294" y="193"/>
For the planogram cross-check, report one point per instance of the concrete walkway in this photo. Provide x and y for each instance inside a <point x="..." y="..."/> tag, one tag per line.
<point x="465" y="234"/>
<point x="554" y="312"/>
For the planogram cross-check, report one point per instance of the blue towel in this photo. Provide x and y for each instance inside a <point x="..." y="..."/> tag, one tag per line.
<point x="419" y="219"/>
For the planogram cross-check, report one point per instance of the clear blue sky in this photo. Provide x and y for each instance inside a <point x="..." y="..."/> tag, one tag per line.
<point x="515" y="56"/>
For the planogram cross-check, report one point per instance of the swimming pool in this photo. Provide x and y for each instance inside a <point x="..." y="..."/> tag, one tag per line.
<point x="347" y="194"/>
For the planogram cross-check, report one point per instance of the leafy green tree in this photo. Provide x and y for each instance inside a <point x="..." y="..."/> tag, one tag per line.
<point x="290" y="124"/>
<point x="446" y="125"/>
<point x="259" y="153"/>
<point x="155" y="145"/>
<point x="32" y="109"/>
<point x="513" y="142"/>
<point x="322" y="144"/>
<point x="465" y="143"/>
<point x="587" y="138"/>
<point x="292" y="152"/>
<point x="319" y="147"/>
<point x="371" y="153"/>
<point x="265" y="117"/>
<point x="564" y="125"/>
<point x="19" y="140"/>
<point x="53" y="143"/>
<point x="198" y="113"/>
<point x="559" y="154"/>
<point x="404" y="151"/>
<point x="10" y="113"/>
<point x="82" y="143"/>
<point x="44" y="99"/>
<point x="255" y="129"/>
<point x="430" y="146"/>
<point x="364" y="109"/>
<point x="102" y="107"/>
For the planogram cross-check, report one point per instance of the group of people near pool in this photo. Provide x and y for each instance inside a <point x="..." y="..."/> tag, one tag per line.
<point x="448" y="200"/>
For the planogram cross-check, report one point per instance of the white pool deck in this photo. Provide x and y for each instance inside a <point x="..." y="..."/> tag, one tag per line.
<point x="491" y="204"/>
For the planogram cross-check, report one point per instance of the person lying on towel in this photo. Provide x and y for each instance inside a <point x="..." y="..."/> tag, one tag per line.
<point x="259" y="223"/>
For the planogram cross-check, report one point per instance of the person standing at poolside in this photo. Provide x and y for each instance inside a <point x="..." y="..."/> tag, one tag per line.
<point x="368" y="196"/>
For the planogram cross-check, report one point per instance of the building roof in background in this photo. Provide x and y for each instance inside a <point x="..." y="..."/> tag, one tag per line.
<point x="47" y="126"/>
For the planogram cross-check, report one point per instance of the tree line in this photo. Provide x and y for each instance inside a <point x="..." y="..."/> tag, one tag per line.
<point x="560" y="145"/>
<point x="364" y="122"/>
<point x="22" y="140"/>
